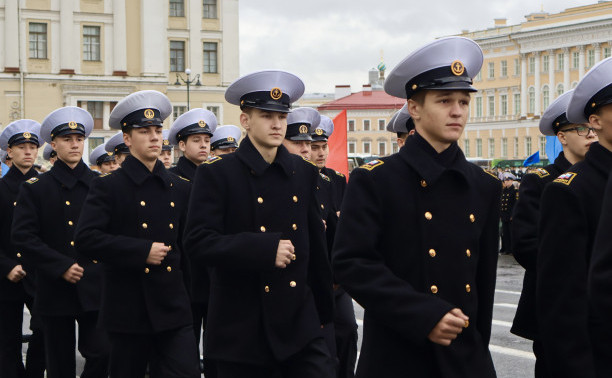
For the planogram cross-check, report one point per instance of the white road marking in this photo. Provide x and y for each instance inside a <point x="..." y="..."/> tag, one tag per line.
<point x="502" y="323"/>
<point x="507" y="305"/>
<point x="508" y="292"/>
<point x="511" y="352"/>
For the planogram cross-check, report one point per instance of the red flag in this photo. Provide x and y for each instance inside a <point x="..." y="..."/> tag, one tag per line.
<point x="338" y="155"/>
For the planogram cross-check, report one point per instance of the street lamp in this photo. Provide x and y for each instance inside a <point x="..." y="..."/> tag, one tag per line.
<point x="188" y="81"/>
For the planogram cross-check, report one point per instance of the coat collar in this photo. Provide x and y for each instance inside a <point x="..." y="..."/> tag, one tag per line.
<point x="562" y="162"/>
<point x="138" y="172"/>
<point x="68" y="176"/>
<point x="249" y="155"/>
<point x="186" y="167"/>
<point x="14" y="178"/>
<point x="600" y="157"/>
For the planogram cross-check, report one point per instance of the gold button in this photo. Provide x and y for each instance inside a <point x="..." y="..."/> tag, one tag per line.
<point x="95" y="261"/>
<point x="171" y="204"/>
<point x="472" y="218"/>
<point x="423" y="183"/>
<point x="294" y="226"/>
<point x="18" y="254"/>
<point x="72" y="243"/>
<point x="295" y="199"/>
<point x="434" y="289"/>
<point x="292" y="284"/>
<point x="67" y="203"/>
<point x="262" y="228"/>
<point x="322" y="206"/>
<point x="147" y="270"/>
<point x="70" y="223"/>
<point x="428" y="215"/>
<point x="267" y="289"/>
<point x="432" y="252"/>
<point x="169" y="269"/>
<point x="171" y="226"/>
<point x="259" y="199"/>
<point x="467" y="324"/>
<point x="293" y="257"/>
<point x="468" y="288"/>
<point x="171" y="184"/>
<point x="169" y="248"/>
<point x="144" y="225"/>
<point x="142" y="203"/>
<point x="15" y="203"/>
<point x="468" y="253"/>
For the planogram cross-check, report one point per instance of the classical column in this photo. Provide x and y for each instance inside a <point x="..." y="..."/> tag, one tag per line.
<point x="551" y="76"/>
<point x="597" y="47"/>
<point x="105" y="115"/>
<point x="119" y="39"/>
<point x="195" y="47"/>
<point x="67" y="39"/>
<point x="524" y="85"/>
<point x="566" y="69"/>
<point x="580" y="62"/>
<point x="155" y="46"/>
<point x="229" y="62"/>
<point x="11" y="43"/>
<point x="536" y="108"/>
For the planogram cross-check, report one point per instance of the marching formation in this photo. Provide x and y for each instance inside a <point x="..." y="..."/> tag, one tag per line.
<point x="256" y="242"/>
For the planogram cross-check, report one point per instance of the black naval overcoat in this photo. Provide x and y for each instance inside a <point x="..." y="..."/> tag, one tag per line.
<point x="338" y="183"/>
<point x="45" y="217"/>
<point x="508" y="200"/>
<point x="570" y="210"/>
<point x="600" y="289"/>
<point x="417" y="237"/>
<point x="240" y="208"/>
<point x="525" y="241"/>
<point x="10" y="257"/>
<point x="125" y="212"/>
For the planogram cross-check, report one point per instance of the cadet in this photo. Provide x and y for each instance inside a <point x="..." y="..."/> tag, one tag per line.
<point x="104" y="160"/>
<point x="402" y="124"/>
<point x="68" y="284"/>
<point x="225" y="140"/>
<point x="255" y="221"/>
<point x="508" y="199"/>
<point x="571" y="205"/>
<point x="297" y="139"/>
<point x="166" y="156"/>
<point x="132" y="221"/>
<point x="191" y="132"/>
<point x="21" y="139"/>
<point x="49" y="154"/>
<point x="5" y="158"/>
<point x="575" y="140"/>
<point x="428" y="298"/>
<point x="117" y="146"/>
<point x="345" y="325"/>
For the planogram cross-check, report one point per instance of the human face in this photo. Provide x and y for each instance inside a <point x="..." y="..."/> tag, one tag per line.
<point x="23" y="155"/>
<point x="298" y="147"/>
<point x="69" y="148"/>
<point x="166" y="158"/>
<point x="574" y="145"/>
<point x="145" y="143"/>
<point x="120" y="158"/>
<point x="223" y="151"/>
<point x="319" y="154"/>
<point x="108" y="166"/>
<point x="602" y="123"/>
<point x="266" y="129"/>
<point x="196" y="148"/>
<point x="442" y="116"/>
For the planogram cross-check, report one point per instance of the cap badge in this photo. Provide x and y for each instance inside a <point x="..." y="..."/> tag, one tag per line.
<point x="276" y="93"/>
<point x="202" y="123"/>
<point x="166" y="142"/>
<point x="72" y="125"/>
<point x="457" y="68"/>
<point x="109" y="153"/>
<point x="230" y="139"/>
<point x="149" y="114"/>
<point x="27" y="135"/>
<point x="303" y="129"/>
<point x="319" y="131"/>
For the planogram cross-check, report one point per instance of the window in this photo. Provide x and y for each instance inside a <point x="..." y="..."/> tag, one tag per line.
<point x="504" y="68"/>
<point x="491" y="70"/>
<point x="479" y="76"/>
<point x="210" y="57"/>
<point x="95" y="108"/>
<point x="517" y="103"/>
<point x="478" y="147"/>
<point x="38" y="40"/>
<point x="503" y="102"/>
<point x="177" y="8"/>
<point x="531" y="100"/>
<point x="214" y="110"/>
<point x="560" y="89"/>
<point x="381" y="124"/>
<point x="491" y="110"/>
<point x="382" y="148"/>
<point x="531" y="64"/>
<point x="545" y="97"/>
<point x="491" y="148"/>
<point x="210" y="8"/>
<point x="466" y="147"/>
<point x="517" y="67"/>
<point x="366" y="125"/>
<point x="366" y="147"/>
<point x="351" y="125"/>
<point x="545" y="63"/>
<point x="177" y="111"/>
<point x="542" y="146"/>
<point x="351" y="147"/>
<point x="177" y="56"/>
<point x="575" y="59"/>
<point x="516" y="144"/>
<point x="93" y="143"/>
<point x="606" y="52"/>
<point x="504" y="147"/>
<point x="395" y="147"/>
<point x="91" y="43"/>
<point x="560" y="61"/>
<point x="528" y="146"/>
<point x="479" y="107"/>
<point x="590" y="58"/>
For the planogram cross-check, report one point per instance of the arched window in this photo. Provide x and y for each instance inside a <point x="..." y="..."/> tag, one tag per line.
<point x="560" y="89"/>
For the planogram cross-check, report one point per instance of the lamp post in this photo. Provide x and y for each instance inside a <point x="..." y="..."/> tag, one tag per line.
<point x="188" y="81"/>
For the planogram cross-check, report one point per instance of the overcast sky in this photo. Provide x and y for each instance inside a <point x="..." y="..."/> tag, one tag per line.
<point x="329" y="42"/>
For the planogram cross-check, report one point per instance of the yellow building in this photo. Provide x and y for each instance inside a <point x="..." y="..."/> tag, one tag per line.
<point x="92" y="53"/>
<point x="527" y="66"/>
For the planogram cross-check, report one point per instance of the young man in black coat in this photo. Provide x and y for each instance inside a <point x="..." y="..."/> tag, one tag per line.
<point x="132" y="222"/>
<point x="570" y="209"/>
<point x="417" y="239"/>
<point x="576" y="140"/>
<point x="254" y="222"/>
<point x="68" y="284"/>
<point x="21" y="140"/>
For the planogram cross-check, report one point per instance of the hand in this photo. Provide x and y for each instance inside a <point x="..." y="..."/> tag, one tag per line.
<point x="158" y="252"/>
<point x="16" y="274"/>
<point x="449" y="327"/>
<point x="74" y="273"/>
<point x="284" y="254"/>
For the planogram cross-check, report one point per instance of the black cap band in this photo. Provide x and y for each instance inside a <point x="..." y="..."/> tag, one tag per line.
<point x="442" y="78"/>
<point x="319" y="135"/>
<point x="122" y="148"/>
<point x="166" y="146"/>
<point x="298" y="131"/>
<point x="24" y="137"/>
<point x="142" y="118"/>
<point x="559" y="122"/>
<point x="195" y="128"/>
<point x="68" y="128"/>
<point x="53" y="154"/>
<point x="265" y="101"/>
<point x="109" y="156"/>
<point x="224" y="143"/>
<point x="601" y="98"/>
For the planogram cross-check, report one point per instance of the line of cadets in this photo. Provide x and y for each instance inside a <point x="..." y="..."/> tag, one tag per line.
<point x="241" y="243"/>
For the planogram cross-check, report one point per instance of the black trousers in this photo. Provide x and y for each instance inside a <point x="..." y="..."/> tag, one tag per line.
<point x="506" y="240"/>
<point x="169" y="354"/>
<point x="346" y="335"/>
<point x="540" y="365"/>
<point x="60" y="344"/>
<point x="313" y="361"/>
<point x="11" y="364"/>
<point x="199" y="311"/>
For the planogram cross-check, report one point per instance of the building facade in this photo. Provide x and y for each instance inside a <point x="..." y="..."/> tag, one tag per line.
<point x="92" y="53"/>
